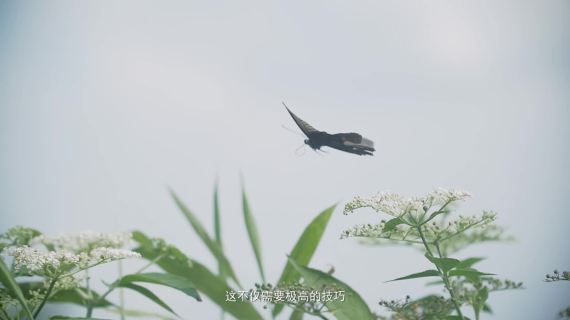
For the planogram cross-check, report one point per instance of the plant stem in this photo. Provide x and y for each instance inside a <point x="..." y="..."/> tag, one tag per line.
<point x="448" y="285"/>
<point x="46" y="297"/>
<point x="121" y="293"/>
<point x="88" y="301"/>
<point x="444" y="276"/>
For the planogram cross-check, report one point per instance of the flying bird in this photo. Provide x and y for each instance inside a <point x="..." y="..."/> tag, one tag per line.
<point x="348" y="142"/>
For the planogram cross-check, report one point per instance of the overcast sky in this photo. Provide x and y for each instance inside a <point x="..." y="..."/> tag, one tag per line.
<point x="104" y="104"/>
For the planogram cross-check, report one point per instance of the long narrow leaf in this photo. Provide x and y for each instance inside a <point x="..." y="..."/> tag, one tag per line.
<point x="201" y="277"/>
<point x="217" y="218"/>
<point x="10" y="284"/>
<point x="130" y="313"/>
<point x="164" y="279"/>
<point x="423" y="274"/>
<point x="304" y="249"/>
<point x="252" y="233"/>
<point x="353" y="307"/>
<point x="203" y="235"/>
<point x="149" y="294"/>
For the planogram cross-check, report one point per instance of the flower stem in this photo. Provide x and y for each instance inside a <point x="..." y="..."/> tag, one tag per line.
<point x="444" y="275"/>
<point x="46" y="297"/>
<point x="448" y="285"/>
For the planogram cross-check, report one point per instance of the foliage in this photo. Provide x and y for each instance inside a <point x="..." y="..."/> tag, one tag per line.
<point x="560" y="276"/>
<point x="428" y="223"/>
<point x="38" y="269"/>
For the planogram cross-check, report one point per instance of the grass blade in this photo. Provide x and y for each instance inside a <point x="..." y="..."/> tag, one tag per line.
<point x="304" y="249"/>
<point x="252" y="233"/>
<point x="208" y="241"/>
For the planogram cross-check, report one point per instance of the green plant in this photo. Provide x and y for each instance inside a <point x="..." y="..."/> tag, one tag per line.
<point x="560" y="276"/>
<point x="217" y="285"/>
<point x="38" y="269"/>
<point x="427" y="223"/>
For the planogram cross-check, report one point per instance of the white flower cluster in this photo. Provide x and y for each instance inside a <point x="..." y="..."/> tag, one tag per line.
<point x="31" y="261"/>
<point x="395" y="205"/>
<point x="111" y="254"/>
<point x="364" y="230"/>
<point x="85" y="241"/>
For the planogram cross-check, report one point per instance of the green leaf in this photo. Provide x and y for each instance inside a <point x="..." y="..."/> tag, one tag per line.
<point x="469" y="262"/>
<point x="304" y="249"/>
<point x="445" y="264"/>
<point x="217" y="219"/>
<point x="470" y="274"/>
<point x="252" y="233"/>
<point x="165" y="279"/>
<point x="480" y="299"/>
<point x="79" y="297"/>
<point x="73" y="318"/>
<point x="201" y="277"/>
<point x="129" y="313"/>
<point x="203" y="235"/>
<point x="13" y="289"/>
<point x="147" y="293"/>
<point x="353" y="307"/>
<point x="423" y="274"/>
<point x="456" y="318"/>
<point x="392" y="224"/>
<point x="297" y="314"/>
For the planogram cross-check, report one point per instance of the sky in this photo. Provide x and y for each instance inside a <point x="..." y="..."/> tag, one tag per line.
<point x="104" y="105"/>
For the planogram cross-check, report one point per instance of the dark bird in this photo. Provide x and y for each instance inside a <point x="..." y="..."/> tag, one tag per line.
<point x="348" y="142"/>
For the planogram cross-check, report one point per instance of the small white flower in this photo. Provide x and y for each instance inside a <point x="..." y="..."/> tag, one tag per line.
<point x="395" y="205"/>
<point x="33" y="261"/>
<point x="111" y="254"/>
<point x="85" y="241"/>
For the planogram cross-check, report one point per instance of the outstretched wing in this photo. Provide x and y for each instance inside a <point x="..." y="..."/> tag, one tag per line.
<point x="351" y="142"/>
<point x="305" y="127"/>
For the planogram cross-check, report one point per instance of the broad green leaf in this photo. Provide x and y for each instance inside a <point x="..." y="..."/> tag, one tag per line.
<point x="469" y="262"/>
<point x="252" y="233"/>
<point x="423" y="274"/>
<point x="147" y="293"/>
<point x="201" y="277"/>
<point x="353" y="307"/>
<point x="445" y="264"/>
<point x="165" y="279"/>
<point x="392" y="224"/>
<point x="211" y="244"/>
<point x="304" y="249"/>
<point x="470" y="274"/>
<point x="13" y="289"/>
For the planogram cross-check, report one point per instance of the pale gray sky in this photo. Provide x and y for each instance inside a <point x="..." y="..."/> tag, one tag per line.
<point x="103" y="104"/>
